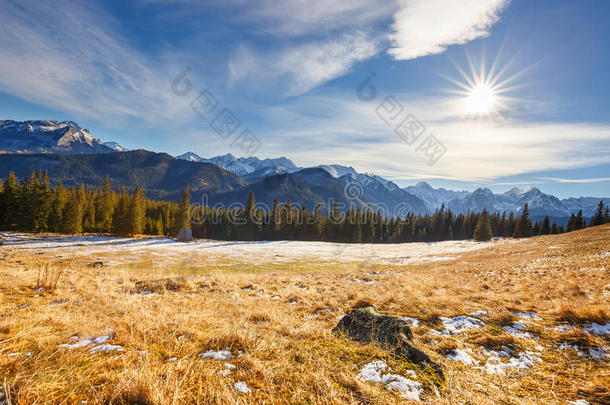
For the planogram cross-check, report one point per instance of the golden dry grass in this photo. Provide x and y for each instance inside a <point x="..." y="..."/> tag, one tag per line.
<point x="289" y="353"/>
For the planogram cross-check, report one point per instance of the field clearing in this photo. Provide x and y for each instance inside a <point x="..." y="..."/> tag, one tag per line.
<point x="536" y="326"/>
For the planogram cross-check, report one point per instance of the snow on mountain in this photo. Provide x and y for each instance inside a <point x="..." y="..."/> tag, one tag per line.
<point x="191" y="157"/>
<point x="337" y="170"/>
<point x="44" y="136"/>
<point x="115" y="146"/>
<point x="434" y="198"/>
<point x="588" y="205"/>
<point x="244" y="166"/>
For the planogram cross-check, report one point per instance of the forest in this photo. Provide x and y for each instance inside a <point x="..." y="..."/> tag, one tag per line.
<point x="33" y="205"/>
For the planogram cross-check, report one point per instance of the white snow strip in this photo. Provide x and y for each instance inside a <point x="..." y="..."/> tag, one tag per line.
<point x="85" y="342"/>
<point x="597" y="328"/>
<point x="579" y="402"/>
<point x="528" y="315"/>
<point x="459" y="324"/>
<point x="518" y="330"/>
<point x="106" y="348"/>
<point x="495" y="365"/>
<point x="217" y="355"/>
<point x="374" y="372"/>
<point x="479" y="313"/>
<point x="462" y="356"/>
<point x="242" y="387"/>
<point x="259" y="251"/>
<point x="599" y="354"/>
<point x="563" y="328"/>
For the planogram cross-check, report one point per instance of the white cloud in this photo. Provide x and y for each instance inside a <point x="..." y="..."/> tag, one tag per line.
<point x="292" y="18"/>
<point x="338" y="128"/>
<point x="69" y="56"/>
<point x="299" y="68"/>
<point x="591" y="180"/>
<point x="425" y="27"/>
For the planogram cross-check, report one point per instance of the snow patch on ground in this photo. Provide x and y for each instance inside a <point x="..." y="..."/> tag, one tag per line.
<point x="106" y="348"/>
<point x="462" y="356"/>
<point x="528" y="315"/>
<point x="518" y="330"/>
<point x="99" y="344"/>
<point x="458" y="324"/>
<point x="242" y="387"/>
<point x="374" y="372"/>
<point x="496" y="365"/>
<point x="258" y="251"/>
<point x="597" y="328"/>
<point x="579" y="402"/>
<point x="217" y="355"/>
<point x="563" y="328"/>
<point x="479" y="313"/>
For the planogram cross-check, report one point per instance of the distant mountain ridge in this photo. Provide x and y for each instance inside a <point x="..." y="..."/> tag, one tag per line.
<point x="45" y="136"/>
<point x="71" y="154"/>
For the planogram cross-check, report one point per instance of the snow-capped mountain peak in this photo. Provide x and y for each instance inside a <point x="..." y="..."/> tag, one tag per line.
<point x="44" y="136"/>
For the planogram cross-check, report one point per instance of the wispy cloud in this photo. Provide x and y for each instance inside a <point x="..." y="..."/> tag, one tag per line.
<point x="328" y="127"/>
<point x="426" y="27"/>
<point x="562" y="180"/>
<point x="296" y="69"/>
<point x="70" y="55"/>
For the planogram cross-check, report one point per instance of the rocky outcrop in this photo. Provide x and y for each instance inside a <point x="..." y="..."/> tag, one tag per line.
<point x="390" y="332"/>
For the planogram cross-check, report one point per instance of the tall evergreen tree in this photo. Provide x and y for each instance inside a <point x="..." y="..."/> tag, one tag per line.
<point x="136" y="212"/>
<point x="12" y="202"/>
<point x="184" y="216"/>
<point x="523" y="227"/>
<point x="598" y="218"/>
<point x="482" y="232"/>
<point x="546" y="226"/>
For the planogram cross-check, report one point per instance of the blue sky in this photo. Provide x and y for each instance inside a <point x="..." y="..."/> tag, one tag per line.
<point x="290" y="70"/>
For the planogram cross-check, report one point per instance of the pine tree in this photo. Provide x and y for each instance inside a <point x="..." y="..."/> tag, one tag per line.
<point x="598" y="218"/>
<point x="106" y="207"/>
<point x="524" y="225"/>
<point x="482" y="231"/>
<point x="59" y="198"/>
<point x="607" y="215"/>
<point x="184" y="216"/>
<point x="119" y="219"/>
<point x="136" y="212"/>
<point x="72" y="218"/>
<point x="546" y="226"/>
<point x="580" y="221"/>
<point x="12" y="203"/>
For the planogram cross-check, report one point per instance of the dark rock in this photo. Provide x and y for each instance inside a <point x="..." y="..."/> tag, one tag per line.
<point x="390" y="332"/>
<point x="96" y="265"/>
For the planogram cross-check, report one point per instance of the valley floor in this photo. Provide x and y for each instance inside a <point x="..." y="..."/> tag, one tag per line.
<point x="511" y="321"/>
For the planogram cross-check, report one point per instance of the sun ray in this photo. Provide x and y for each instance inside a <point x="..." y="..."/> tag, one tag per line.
<point x="483" y="90"/>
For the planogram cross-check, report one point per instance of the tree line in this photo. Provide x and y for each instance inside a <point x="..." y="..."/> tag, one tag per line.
<point x="32" y="205"/>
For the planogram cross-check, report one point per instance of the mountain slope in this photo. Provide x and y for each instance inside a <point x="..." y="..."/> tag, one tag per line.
<point x="245" y="166"/>
<point x="434" y="198"/>
<point x="50" y="137"/>
<point x="159" y="174"/>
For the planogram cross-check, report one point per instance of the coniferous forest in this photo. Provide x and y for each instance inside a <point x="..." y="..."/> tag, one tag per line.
<point x="33" y="205"/>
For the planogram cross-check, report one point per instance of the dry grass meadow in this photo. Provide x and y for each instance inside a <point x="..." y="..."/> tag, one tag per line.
<point x="280" y="317"/>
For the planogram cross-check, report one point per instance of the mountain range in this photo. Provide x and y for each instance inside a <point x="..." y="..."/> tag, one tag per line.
<point x="43" y="136"/>
<point x="71" y="154"/>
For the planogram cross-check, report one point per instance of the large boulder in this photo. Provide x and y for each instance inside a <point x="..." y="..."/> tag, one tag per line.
<point x="390" y="332"/>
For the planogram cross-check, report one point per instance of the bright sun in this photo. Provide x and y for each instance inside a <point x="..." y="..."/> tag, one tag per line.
<point x="482" y="92"/>
<point x="481" y="99"/>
